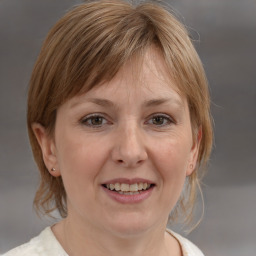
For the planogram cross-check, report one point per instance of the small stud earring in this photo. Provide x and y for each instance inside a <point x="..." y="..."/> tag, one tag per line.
<point x="53" y="169"/>
<point x="191" y="166"/>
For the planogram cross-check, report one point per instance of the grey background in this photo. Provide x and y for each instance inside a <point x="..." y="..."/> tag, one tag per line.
<point x="225" y="33"/>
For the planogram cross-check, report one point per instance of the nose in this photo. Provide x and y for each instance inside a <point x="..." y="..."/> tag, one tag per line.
<point x="129" y="147"/>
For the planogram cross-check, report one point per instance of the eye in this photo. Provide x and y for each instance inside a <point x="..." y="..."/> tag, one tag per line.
<point x="160" y="120"/>
<point x="94" y="121"/>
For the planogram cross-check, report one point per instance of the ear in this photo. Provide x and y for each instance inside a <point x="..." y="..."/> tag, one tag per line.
<point x="194" y="152"/>
<point x="48" y="149"/>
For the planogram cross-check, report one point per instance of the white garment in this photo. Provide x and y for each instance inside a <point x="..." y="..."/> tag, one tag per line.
<point x="46" y="244"/>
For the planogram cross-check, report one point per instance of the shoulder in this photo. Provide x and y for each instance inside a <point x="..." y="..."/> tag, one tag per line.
<point x="43" y="244"/>
<point x="188" y="248"/>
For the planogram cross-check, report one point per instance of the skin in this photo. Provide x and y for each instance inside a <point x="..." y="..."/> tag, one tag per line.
<point x="142" y="129"/>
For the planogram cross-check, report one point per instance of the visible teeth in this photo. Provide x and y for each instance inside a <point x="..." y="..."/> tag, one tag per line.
<point x="125" y="187"/>
<point x="128" y="193"/>
<point x="131" y="189"/>
<point x="134" y="187"/>
<point x="117" y="187"/>
<point x="140" y="187"/>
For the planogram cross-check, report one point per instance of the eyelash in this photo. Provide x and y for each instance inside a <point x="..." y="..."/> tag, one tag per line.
<point x="85" y="121"/>
<point x="92" y="117"/>
<point x="167" y="119"/>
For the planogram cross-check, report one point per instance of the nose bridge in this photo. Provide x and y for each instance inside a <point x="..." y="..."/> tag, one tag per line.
<point x="132" y="138"/>
<point x="130" y="149"/>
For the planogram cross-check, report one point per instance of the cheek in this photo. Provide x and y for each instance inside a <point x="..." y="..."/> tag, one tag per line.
<point x="80" y="160"/>
<point x="173" y="171"/>
<point x="171" y="162"/>
<point x="173" y="156"/>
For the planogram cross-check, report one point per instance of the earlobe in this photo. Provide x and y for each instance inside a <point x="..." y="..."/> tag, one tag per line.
<point x="48" y="148"/>
<point x="194" y="152"/>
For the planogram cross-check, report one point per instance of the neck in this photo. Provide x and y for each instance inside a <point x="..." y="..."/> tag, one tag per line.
<point x="77" y="239"/>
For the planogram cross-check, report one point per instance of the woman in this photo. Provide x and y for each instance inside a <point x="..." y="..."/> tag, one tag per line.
<point x="119" y="123"/>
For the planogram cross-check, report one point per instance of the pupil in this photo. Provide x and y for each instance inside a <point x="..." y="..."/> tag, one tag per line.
<point x="97" y="120"/>
<point x="158" y="120"/>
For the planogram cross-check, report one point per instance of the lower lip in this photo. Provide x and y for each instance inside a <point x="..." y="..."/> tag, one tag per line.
<point x="129" y="199"/>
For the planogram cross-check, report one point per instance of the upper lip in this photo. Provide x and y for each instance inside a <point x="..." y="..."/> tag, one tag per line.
<point x="128" y="181"/>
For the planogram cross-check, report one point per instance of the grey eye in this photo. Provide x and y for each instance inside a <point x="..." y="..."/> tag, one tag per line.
<point x="94" y="121"/>
<point x="160" y="120"/>
<point x="97" y="120"/>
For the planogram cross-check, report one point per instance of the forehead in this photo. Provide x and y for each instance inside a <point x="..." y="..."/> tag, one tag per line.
<point x="148" y="70"/>
<point x="146" y="78"/>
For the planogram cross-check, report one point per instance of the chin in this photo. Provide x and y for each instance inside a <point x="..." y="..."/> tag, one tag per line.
<point x="131" y="224"/>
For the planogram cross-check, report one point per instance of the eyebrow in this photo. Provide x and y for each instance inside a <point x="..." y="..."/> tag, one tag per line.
<point x="97" y="101"/>
<point x="149" y="103"/>
<point x="102" y="102"/>
<point x="157" y="102"/>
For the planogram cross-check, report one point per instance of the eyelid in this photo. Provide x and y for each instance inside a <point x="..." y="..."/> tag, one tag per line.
<point x="83" y="120"/>
<point x="91" y="115"/>
<point x="87" y="117"/>
<point x="167" y="116"/>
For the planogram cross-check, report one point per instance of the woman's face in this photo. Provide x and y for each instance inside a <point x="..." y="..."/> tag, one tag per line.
<point x="124" y="150"/>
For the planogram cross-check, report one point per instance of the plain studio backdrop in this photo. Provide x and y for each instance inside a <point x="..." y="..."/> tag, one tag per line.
<point x="224" y="32"/>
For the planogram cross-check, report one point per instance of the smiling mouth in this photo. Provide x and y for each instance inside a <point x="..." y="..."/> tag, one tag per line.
<point x="128" y="189"/>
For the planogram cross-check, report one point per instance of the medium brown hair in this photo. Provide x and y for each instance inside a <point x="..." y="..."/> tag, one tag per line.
<point x="88" y="46"/>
